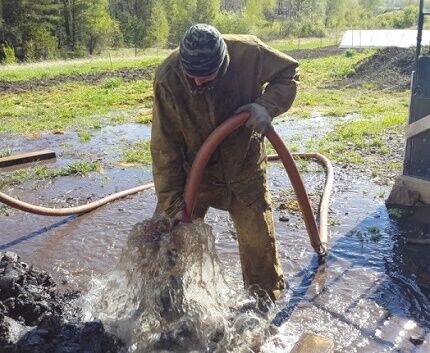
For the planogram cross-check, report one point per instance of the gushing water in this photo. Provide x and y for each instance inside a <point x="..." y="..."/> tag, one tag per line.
<point x="168" y="293"/>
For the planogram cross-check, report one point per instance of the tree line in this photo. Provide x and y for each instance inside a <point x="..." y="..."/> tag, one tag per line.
<point x="44" y="29"/>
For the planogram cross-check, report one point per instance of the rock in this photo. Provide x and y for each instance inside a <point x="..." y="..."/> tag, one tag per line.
<point x="312" y="343"/>
<point x="9" y="256"/>
<point x="416" y="339"/>
<point x="284" y="218"/>
<point x="402" y="195"/>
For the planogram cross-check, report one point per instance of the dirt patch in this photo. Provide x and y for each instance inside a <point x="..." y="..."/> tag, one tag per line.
<point x="126" y="74"/>
<point x="389" y="68"/>
<point x="36" y="317"/>
<point x="315" y="53"/>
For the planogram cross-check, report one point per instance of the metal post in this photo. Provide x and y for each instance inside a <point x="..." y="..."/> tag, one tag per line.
<point x="420" y="31"/>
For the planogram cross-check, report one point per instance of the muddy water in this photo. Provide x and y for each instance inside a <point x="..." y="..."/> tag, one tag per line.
<point x="370" y="296"/>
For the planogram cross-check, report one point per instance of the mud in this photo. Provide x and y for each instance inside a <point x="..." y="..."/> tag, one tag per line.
<point x="37" y="317"/>
<point x="323" y="52"/>
<point x="125" y="74"/>
<point x="388" y="68"/>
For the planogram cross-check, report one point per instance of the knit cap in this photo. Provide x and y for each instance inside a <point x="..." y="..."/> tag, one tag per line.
<point x="202" y="50"/>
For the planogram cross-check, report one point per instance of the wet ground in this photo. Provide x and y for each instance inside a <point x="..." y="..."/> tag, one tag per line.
<point x="370" y="296"/>
<point x="125" y="74"/>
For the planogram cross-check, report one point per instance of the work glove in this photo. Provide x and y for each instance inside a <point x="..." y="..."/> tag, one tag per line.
<point x="259" y="119"/>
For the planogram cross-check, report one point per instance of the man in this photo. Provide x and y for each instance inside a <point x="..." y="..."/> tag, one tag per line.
<point x="196" y="88"/>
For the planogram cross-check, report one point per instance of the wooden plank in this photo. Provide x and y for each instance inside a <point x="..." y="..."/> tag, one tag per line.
<point x="418" y="127"/>
<point x="27" y="157"/>
<point x="312" y="343"/>
<point x="420" y="185"/>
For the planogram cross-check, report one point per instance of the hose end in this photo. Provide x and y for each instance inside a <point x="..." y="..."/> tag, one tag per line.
<point x="185" y="217"/>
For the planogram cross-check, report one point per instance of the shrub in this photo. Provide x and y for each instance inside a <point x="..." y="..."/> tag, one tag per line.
<point x="8" y="54"/>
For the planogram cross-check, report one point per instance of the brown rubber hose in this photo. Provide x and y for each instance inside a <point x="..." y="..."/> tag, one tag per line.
<point x="46" y="211"/>
<point x="318" y="238"/>
<point x="211" y="144"/>
<point x="325" y="199"/>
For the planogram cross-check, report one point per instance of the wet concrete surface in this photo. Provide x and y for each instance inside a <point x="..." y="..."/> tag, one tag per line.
<point x="370" y="296"/>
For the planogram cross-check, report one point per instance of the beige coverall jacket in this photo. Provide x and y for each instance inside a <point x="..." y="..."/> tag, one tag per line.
<point x="235" y="179"/>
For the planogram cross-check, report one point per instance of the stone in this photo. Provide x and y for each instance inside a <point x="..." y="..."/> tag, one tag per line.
<point x="416" y="339"/>
<point x="312" y="343"/>
<point x="10" y="256"/>
<point x="402" y="195"/>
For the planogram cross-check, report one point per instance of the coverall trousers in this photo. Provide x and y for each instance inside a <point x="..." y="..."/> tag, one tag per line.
<point x="261" y="266"/>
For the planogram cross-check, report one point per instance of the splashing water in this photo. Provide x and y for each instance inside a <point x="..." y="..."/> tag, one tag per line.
<point x="169" y="293"/>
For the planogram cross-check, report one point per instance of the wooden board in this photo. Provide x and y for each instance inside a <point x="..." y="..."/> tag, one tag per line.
<point x="419" y="185"/>
<point x="418" y="127"/>
<point x="28" y="157"/>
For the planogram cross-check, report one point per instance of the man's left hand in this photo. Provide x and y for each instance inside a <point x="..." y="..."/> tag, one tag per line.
<point x="259" y="119"/>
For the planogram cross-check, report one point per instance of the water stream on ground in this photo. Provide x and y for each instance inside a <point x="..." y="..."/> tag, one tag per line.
<point x="371" y="295"/>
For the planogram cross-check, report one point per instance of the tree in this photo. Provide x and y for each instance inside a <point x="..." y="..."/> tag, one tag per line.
<point x="158" y="31"/>
<point x="206" y="10"/>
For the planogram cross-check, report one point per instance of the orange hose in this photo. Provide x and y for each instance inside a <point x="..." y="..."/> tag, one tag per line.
<point x="59" y="212"/>
<point x="210" y="145"/>
<point x="318" y="237"/>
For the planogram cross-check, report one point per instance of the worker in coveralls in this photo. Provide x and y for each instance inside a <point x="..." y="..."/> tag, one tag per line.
<point x="201" y="84"/>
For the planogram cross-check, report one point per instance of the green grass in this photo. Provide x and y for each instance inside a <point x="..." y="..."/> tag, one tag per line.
<point x="50" y="69"/>
<point x="352" y="141"/>
<point x="84" y="136"/>
<point x="380" y="112"/>
<point x="137" y="154"/>
<point x="20" y="176"/>
<point x="303" y="43"/>
<point x="73" y="105"/>
<point x="78" y="105"/>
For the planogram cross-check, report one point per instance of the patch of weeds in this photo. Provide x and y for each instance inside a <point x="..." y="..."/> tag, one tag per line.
<point x="396" y="213"/>
<point x="119" y="119"/>
<point x="357" y="234"/>
<point x="84" y="136"/>
<point x="139" y="153"/>
<point x="375" y="234"/>
<point x="110" y="83"/>
<point x="145" y="118"/>
<point x="334" y="222"/>
<point x="105" y="181"/>
<point x="350" y="53"/>
<point x="372" y="234"/>
<point x="97" y="125"/>
<point x="6" y="152"/>
<point x="380" y="195"/>
<point x="66" y="144"/>
<point x="80" y="168"/>
<point x="4" y="210"/>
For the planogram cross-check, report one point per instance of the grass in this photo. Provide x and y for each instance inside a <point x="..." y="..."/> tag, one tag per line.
<point x="84" y="136"/>
<point x="112" y="101"/>
<point x="20" y="176"/>
<point x="380" y="112"/>
<point x="51" y="69"/>
<point x="73" y="105"/>
<point x="137" y="154"/>
<point x="303" y="43"/>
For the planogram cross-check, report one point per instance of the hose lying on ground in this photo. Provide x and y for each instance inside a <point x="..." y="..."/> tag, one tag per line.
<point x="318" y="237"/>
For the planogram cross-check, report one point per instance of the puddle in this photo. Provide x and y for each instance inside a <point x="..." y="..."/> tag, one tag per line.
<point x="370" y="296"/>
